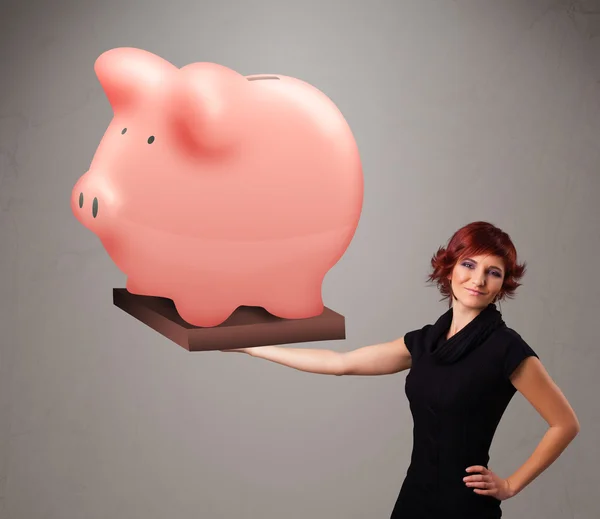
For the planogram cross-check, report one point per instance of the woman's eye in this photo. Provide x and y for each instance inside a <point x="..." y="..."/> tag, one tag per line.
<point x="496" y="273"/>
<point x="467" y="264"/>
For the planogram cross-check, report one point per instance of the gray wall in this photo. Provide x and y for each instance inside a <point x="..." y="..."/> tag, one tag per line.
<point x="462" y="110"/>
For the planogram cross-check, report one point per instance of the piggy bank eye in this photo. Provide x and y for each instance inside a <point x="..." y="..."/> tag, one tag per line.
<point x="151" y="139"/>
<point x="123" y="131"/>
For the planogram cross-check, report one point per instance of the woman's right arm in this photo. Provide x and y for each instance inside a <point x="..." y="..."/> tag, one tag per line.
<point x="378" y="359"/>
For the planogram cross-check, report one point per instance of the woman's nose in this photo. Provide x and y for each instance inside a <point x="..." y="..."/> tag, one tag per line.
<point x="479" y="279"/>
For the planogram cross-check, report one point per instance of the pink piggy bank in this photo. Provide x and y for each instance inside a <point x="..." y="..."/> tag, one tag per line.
<point x="217" y="190"/>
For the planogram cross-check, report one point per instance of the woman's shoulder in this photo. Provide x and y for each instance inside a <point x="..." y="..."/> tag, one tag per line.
<point x="509" y="337"/>
<point x="514" y="348"/>
<point x="416" y="338"/>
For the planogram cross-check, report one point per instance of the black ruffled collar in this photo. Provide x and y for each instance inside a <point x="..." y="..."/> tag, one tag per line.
<point x="448" y="351"/>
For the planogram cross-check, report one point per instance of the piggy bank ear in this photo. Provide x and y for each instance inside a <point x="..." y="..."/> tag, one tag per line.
<point x="127" y="73"/>
<point x="208" y="107"/>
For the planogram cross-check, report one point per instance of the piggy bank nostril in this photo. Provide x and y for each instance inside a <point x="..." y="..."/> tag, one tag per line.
<point x="95" y="207"/>
<point x="80" y="200"/>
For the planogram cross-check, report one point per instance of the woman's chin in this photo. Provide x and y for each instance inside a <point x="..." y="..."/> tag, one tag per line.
<point x="474" y="305"/>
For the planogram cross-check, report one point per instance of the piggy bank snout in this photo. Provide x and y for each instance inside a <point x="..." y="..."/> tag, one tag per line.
<point x="89" y="202"/>
<point x="81" y="199"/>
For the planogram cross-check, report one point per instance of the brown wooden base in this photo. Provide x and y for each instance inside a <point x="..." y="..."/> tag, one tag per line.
<point x="247" y="327"/>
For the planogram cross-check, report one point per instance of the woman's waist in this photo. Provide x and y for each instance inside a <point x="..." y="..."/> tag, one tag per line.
<point x="449" y="456"/>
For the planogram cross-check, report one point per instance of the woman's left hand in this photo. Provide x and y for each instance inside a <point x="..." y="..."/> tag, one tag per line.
<point x="487" y="483"/>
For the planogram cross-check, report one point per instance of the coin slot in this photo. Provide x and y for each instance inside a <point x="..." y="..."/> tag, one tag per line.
<point x="260" y="78"/>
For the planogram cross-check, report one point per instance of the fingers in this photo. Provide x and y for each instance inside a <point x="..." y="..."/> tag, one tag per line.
<point x="477" y="468"/>
<point x="478" y="484"/>
<point x="486" y="483"/>
<point x="478" y="477"/>
<point x="479" y="481"/>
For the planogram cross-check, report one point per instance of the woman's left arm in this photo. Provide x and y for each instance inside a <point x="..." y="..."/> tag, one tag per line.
<point x="533" y="381"/>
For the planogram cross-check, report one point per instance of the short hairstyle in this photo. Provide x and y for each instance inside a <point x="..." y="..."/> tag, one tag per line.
<point x="471" y="240"/>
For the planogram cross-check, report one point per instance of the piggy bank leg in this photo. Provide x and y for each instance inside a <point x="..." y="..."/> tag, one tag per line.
<point x="138" y="287"/>
<point x="133" y="287"/>
<point x="295" y="298"/>
<point x="202" y="311"/>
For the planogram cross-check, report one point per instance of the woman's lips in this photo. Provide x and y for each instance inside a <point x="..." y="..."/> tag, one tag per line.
<point x="474" y="292"/>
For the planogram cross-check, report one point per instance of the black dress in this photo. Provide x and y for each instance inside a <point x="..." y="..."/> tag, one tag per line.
<point x="456" y="407"/>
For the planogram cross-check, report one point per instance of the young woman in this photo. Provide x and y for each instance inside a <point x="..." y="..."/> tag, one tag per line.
<point x="464" y="370"/>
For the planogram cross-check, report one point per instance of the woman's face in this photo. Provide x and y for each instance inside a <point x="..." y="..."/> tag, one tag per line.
<point x="476" y="280"/>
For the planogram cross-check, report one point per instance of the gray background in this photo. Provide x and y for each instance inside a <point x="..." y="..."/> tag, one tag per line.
<point x="463" y="110"/>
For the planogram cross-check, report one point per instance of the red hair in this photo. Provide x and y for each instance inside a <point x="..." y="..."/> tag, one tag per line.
<point x="471" y="240"/>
